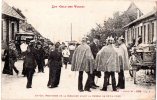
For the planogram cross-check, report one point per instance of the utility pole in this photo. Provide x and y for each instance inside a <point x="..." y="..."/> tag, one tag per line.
<point x="71" y="31"/>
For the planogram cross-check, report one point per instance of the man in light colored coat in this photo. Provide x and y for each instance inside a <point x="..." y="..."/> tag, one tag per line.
<point x="83" y="60"/>
<point x="124" y="63"/>
<point x="107" y="60"/>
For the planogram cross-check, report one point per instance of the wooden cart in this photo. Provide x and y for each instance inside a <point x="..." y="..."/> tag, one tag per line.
<point x="146" y="57"/>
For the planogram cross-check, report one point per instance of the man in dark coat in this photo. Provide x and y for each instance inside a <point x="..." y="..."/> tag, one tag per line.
<point x="54" y="64"/>
<point x="30" y="65"/>
<point x="33" y="50"/>
<point x="40" y="55"/>
<point x="83" y="60"/>
<point x="95" y="47"/>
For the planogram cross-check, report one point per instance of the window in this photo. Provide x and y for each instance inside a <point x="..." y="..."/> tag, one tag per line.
<point x="135" y="33"/>
<point x="12" y="31"/>
<point x="148" y="34"/>
<point x="152" y="32"/>
<point x="138" y="31"/>
<point x="141" y="31"/>
<point x="2" y="29"/>
<point x="144" y="33"/>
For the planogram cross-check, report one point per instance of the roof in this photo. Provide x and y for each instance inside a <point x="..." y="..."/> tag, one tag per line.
<point x="141" y="18"/>
<point x="133" y="7"/>
<point x="8" y="10"/>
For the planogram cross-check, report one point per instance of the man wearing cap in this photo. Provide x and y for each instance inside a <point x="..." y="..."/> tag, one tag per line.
<point x="83" y="60"/>
<point x="33" y="51"/>
<point x="108" y="62"/>
<point x="95" y="47"/>
<point x="124" y="64"/>
<point x="40" y="53"/>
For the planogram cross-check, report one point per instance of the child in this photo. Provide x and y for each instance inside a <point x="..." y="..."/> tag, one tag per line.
<point x="30" y="65"/>
<point x="66" y="54"/>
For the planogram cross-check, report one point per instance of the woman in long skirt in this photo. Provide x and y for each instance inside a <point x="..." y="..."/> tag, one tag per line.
<point x="10" y="59"/>
<point x="54" y="64"/>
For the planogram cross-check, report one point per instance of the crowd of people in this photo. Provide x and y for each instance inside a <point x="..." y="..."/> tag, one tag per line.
<point x="33" y="55"/>
<point x="87" y="57"/>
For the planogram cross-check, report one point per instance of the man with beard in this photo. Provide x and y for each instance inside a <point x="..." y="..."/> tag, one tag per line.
<point x="107" y="61"/>
<point x="83" y="60"/>
<point x="95" y="47"/>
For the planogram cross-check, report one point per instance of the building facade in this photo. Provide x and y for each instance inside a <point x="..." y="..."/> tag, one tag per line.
<point x="144" y="27"/>
<point x="9" y="24"/>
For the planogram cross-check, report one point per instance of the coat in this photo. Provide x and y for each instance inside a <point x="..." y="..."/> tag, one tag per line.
<point x="125" y="58"/>
<point x="82" y="59"/>
<point x="29" y="60"/>
<point x="55" y="60"/>
<point x="107" y="60"/>
<point x="40" y="54"/>
<point x="10" y="59"/>
<point x="94" y="49"/>
<point x="54" y="64"/>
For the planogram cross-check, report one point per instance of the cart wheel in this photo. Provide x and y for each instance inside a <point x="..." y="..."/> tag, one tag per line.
<point x="134" y="76"/>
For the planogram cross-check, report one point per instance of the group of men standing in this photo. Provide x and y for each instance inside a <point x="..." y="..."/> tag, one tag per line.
<point x="93" y="59"/>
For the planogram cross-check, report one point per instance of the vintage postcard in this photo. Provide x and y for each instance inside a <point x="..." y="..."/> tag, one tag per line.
<point x="78" y="49"/>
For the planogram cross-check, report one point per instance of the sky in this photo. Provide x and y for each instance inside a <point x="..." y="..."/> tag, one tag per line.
<point x="55" y="23"/>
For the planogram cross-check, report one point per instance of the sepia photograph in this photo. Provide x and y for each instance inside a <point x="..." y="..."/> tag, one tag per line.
<point x="78" y="49"/>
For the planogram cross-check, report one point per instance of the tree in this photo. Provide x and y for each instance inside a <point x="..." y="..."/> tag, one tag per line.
<point x="114" y="26"/>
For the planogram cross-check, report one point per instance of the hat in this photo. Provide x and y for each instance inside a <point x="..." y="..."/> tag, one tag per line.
<point x="38" y="43"/>
<point x="110" y="38"/>
<point x="57" y="45"/>
<point x="88" y="42"/>
<point x="32" y="41"/>
<point x="121" y="38"/>
<point x="84" y="39"/>
<point x="133" y="50"/>
<point x="97" y="37"/>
